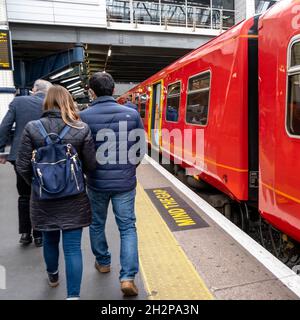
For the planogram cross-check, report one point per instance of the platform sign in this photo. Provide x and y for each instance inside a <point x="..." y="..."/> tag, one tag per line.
<point x="5" y="51"/>
<point x="177" y="214"/>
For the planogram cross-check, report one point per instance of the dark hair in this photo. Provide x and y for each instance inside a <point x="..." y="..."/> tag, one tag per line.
<point x="102" y="84"/>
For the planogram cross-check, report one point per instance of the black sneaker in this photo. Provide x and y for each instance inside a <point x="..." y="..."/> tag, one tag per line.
<point x="26" y="238"/>
<point x="53" y="279"/>
<point x="38" y="242"/>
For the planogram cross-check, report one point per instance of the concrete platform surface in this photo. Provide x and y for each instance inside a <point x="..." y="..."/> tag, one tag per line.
<point x="227" y="269"/>
<point x="196" y="263"/>
<point x="26" y="277"/>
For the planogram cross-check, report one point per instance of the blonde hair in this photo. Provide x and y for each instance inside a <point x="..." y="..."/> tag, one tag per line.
<point x="59" y="97"/>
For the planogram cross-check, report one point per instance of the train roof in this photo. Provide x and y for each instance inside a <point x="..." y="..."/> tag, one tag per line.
<point x="238" y="29"/>
<point x="210" y="46"/>
<point x="281" y="7"/>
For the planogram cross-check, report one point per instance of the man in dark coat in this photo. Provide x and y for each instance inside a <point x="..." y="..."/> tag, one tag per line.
<point x="119" y="137"/>
<point x="22" y="110"/>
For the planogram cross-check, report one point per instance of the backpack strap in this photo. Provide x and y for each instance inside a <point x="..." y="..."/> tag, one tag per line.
<point x="64" y="131"/>
<point x="43" y="132"/>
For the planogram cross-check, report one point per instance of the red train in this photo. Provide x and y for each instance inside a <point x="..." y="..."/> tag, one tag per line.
<point x="243" y="90"/>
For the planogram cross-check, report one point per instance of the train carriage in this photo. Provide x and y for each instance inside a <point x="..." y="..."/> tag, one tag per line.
<point x="279" y="112"/>
<point x="206" y="90"/>
<point x="242" y="91"/>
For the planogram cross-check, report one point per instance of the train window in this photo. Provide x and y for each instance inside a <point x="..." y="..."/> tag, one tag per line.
<point x="293" y="99"/>
<point x="143" y="100"/>
<point x="173" y="102"/>
<point x="136" y="100"/>
<point x="295" y="58"/>
<point x="293" y="116"/>
<point x="198" y="99"/>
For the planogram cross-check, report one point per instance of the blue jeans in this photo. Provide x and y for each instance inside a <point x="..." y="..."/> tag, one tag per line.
<point x="123" y="208"/>
<point x="73" y="257"/>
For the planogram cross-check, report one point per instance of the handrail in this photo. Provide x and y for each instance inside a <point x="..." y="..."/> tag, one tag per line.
<point x="164" y="14"/>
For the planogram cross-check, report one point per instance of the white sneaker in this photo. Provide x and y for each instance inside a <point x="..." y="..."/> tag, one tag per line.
<point x="73" y="298"/>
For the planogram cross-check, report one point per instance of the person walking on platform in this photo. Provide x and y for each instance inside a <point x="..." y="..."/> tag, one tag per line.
<point x="130" y="104"/>
<point x="114" y="180"/>
<point x="22" y="110"/>
<point x="59" y="203"/>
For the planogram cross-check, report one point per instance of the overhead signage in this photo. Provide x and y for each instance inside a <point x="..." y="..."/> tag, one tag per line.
<point x="5" y="51"/>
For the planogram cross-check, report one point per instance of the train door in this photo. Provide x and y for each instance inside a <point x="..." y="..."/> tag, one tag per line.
<point x="156" y="114"/>
<point x="279" y="194"/>
<point x="287" y="137"/>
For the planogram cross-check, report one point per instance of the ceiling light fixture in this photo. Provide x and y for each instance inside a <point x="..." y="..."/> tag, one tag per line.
<point x="74" y="84"/>
<point x="57" y="75"/>
<point x="78" y="91"/>
<point x="71" y="79"/>
<point x="74" y="89"/>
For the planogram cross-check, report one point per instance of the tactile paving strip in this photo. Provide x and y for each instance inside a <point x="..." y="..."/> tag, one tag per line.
<point x="167" y="272"/>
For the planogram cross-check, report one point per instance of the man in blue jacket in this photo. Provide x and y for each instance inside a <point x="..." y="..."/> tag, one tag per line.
<point x="22" y="110"/>
<point x="120" y="144"/>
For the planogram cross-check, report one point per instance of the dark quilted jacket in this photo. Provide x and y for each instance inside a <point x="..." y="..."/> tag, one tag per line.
<point x="106" y="113"/>
<point x="21" y="110"/>
<point x="61" y="214"/>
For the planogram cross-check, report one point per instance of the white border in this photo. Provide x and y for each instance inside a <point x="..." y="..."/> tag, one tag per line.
<point x="288" y="277"/>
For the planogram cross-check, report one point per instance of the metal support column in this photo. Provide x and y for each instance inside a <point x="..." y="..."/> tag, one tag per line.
<point x="250" y="8"/>
<point x="159" y="8"/>
<point x="23" y="89"/>
<point x="211" y="14"/>
<point x="186" y="14"/>
<point x="131" y="11"/>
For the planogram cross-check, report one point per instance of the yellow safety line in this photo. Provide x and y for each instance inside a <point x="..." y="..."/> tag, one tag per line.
<point x="167" y="272"/>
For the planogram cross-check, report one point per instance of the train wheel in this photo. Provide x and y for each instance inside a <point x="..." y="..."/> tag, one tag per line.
<point x="296" y="269"/>
<point x="295" y="259"/>
<point x="275" y="238"/>
<point x="244" y="217"/>
<point x="169" y="167"/>
<point x="233" y="212"/>
<point x="272" y="240"/>
<point x="262" y="227"/>
<point x="227" y="211"/>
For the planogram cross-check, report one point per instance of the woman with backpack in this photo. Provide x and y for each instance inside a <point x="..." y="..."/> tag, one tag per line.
<point x="55" y="152"/>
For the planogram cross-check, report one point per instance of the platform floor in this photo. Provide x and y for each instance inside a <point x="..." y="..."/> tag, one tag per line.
<point x="26" y="278"/>
<point x="201" y="263"/>
<point x="227" y="269"/>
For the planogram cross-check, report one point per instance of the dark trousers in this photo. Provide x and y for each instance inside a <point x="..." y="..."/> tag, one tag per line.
<point x="24" y="191"/>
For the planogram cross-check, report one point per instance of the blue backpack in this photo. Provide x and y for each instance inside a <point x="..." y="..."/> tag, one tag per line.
<point x="57" y="170"/>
